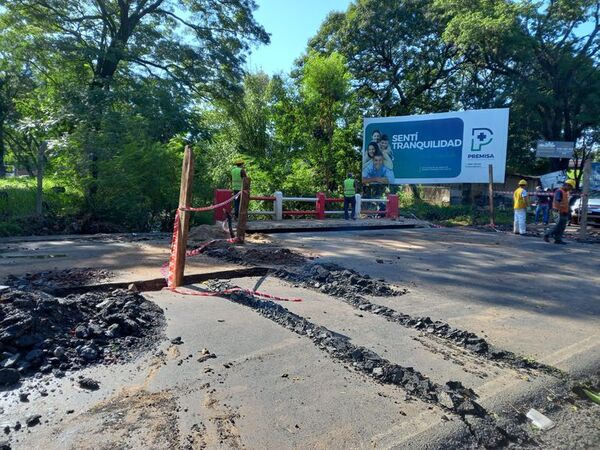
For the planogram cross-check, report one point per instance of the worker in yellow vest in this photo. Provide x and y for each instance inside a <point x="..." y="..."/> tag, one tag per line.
<point x="238" y="173"/>
<point x="350" y="196"/>
<point x="520" y="206"/>
<point x="561" y="204"/>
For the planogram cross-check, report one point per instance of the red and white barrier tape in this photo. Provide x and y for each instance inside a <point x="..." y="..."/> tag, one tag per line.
<point x="168" y="268"/>
<point x="211" y="207"/>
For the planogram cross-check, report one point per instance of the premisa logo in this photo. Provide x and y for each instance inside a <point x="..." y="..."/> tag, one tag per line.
<point x="480" y="137"/>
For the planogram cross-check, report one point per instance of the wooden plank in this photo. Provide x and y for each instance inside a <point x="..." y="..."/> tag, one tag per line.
<point x="491" y="194"/>
<point x="185" y="201"/>
<point x="156" y="284"/>
<point x="243" y="216"/>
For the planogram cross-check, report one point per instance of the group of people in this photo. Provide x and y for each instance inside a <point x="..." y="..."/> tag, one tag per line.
<point x="560" y="203"/>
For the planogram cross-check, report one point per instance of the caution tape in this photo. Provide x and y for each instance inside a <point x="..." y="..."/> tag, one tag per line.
<point x="168" y="268"/>
<point x="211" y="207"/>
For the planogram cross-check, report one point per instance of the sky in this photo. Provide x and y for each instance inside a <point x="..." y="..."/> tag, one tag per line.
<point x="291" y="23"/>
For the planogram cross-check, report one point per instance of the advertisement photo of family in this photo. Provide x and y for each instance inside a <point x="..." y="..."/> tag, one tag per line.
<point x="378" y="164"/>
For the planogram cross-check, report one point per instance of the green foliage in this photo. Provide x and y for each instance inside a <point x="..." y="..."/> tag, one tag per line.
<point x="8" y="229"/>
<point x="114" y="90"/>
<point x="395" y="54"/>
<point x="452" y="215"/>
<point x="138" y="187"/>
<point x="17" y="197"/>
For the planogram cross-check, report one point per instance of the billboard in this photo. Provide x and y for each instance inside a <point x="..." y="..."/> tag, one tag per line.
<point x="453" y="147"/>
<point x="554" y="149"/>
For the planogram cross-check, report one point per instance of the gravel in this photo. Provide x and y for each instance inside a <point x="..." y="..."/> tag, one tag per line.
<point x="40" y="333"/>
<point x="453" y="396"/>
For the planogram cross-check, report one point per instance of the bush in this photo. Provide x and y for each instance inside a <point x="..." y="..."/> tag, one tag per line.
<point x="10" y="229"/>
<point x="455" y="215"/>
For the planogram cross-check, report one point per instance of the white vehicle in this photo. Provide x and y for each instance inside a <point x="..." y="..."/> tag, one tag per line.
<point x="593" y="209"/>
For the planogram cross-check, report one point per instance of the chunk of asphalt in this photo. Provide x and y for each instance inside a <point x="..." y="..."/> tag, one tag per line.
<point x="43" y="333"/>
<point x="33" y="420"/>
<point x="89" y="384"/>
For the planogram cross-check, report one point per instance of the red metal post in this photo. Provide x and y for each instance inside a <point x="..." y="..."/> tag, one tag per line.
<point x="391" y="211"/>
<point x="220" y="196"/>
<point x="320" y="205"/>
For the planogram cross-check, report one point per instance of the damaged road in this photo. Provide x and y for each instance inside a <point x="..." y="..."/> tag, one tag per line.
<point x="350" y="286"/>
<point x="423" y="345"/>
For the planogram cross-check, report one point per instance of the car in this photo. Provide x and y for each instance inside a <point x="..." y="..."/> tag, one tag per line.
<point x="593" y="209"/>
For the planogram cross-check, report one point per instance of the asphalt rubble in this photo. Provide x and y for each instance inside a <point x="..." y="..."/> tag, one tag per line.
<point x="43" y="334"/>
<point x="452" y="397"/>
<point x="350" y="286"/>
<point x="265" y="254"/>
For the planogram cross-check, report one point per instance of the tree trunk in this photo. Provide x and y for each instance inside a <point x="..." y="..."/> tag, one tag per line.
<point x="2" y="151"/>
<point x="40" y="179"/>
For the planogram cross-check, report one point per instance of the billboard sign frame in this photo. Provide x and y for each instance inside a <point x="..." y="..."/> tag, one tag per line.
<point x="441" y="148"/>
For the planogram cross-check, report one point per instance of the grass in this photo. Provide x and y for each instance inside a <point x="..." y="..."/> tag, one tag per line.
<point x="17" y="198"/>
<point x="456" y="215"/>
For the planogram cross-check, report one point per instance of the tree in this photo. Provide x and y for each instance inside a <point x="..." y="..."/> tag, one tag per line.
<point x="395" y="53"/>
<point x="199" y="46"/>
<point x="324" y="90"/>
<point x="134" y="35"/>
<point x="547" y="50"/>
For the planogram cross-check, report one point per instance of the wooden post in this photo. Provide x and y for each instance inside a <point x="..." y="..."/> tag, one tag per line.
<point x="491" y="194"/>
<point x="243" y="215"/>
<point x="583" y="204"/>
<point x="185" y="200"/>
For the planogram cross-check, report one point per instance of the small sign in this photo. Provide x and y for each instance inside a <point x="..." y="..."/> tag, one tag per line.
<point x="555" y="149"/>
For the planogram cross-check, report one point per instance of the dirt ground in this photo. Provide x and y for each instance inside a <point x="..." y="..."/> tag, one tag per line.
<point x="272" y="385"/>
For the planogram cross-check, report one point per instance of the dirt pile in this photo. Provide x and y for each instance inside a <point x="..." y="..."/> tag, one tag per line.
<point x="40" y="333"/>
<point x="202" y="233"/>
<point x="263" y="255"/>
<point x="54" y="279"/>
<point x="336" y="280"/>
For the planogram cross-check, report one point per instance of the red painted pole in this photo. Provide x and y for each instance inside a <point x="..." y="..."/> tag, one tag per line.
<point x="320" y="205"/>
<point x="220" y="196"/>
<point x="392" y="210"/>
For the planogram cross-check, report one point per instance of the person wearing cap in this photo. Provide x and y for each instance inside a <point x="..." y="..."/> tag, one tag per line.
<point x="520" y="207"/>
<point x="238" y="173"/>
<point x="561" y="204"/>
<point x="350" y="196"/>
